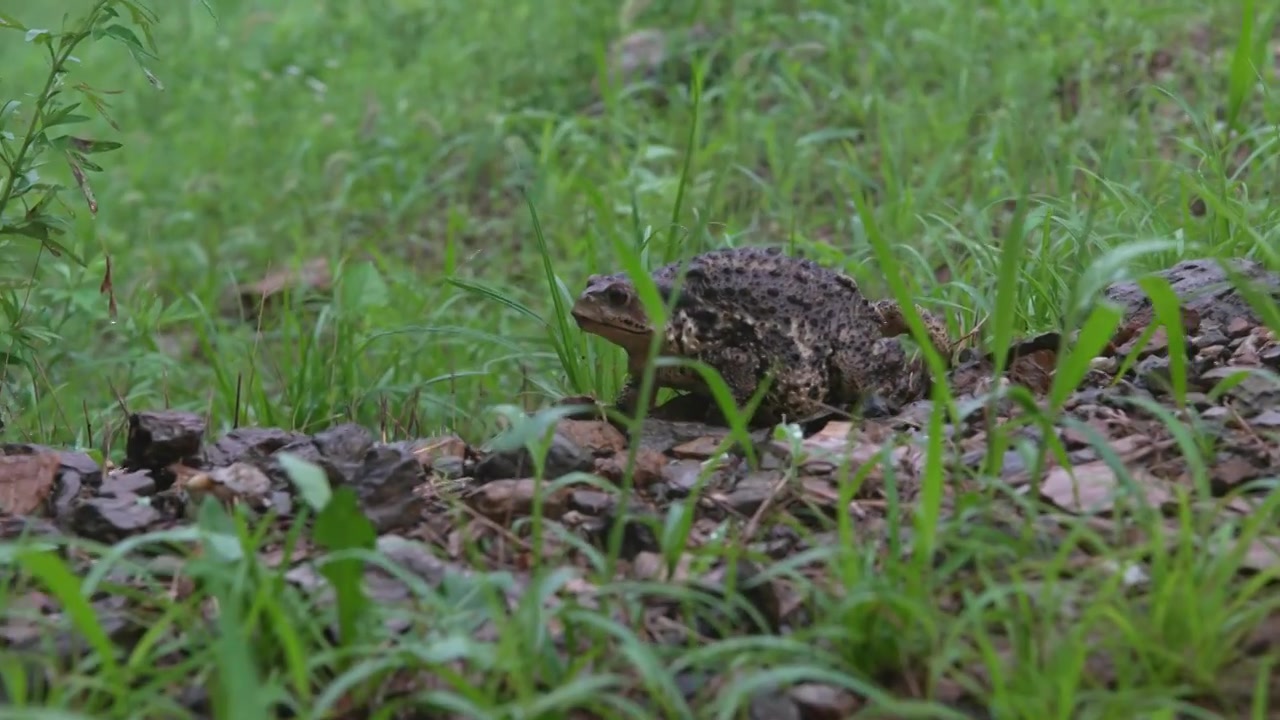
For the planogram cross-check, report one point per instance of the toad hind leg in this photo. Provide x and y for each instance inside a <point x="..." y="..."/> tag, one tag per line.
<point x="893" y="324"/>
<point x="883" y="374"/>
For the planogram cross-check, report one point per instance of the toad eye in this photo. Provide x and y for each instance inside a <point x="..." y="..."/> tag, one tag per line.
<point x="617" y="296"/>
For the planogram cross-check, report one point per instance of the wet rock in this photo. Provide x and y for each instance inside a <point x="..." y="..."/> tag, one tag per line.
<point x="646" y="470"/>
<point x="249" y="444"/>
<point x="13" y="527"/>
<point x="139" y="482"/>
<point x="638" y="534"/>
<point x="344" y="443"/>
<point x="1204" y="289"/>
<point x="1270" y="356"/>
<point x="751" y="492"/>
<point x="665" y="435"/>
<point x="112" y="519"/>
<point x="449" y="467"/>
<point x="596" y="437"/>
<point x="591" y="502"/>
<point x="172" y="504"/>
<point x="726" y="615"/>
<point x="1269" y="419"/>
<point x="384" y="486"/>
<point x="571" y="450"/>
<point x="162" y="438"/>
<point x="682" y="476"/>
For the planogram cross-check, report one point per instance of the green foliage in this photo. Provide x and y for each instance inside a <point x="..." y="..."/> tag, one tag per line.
<point x="34" y="137"/>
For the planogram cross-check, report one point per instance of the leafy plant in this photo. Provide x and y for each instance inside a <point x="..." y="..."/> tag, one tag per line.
<point x="33" y="136"/>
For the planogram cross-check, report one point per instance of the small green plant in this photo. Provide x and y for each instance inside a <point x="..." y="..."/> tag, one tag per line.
<point x="34" y="138"/>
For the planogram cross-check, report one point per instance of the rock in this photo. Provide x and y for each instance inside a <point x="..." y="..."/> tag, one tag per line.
<point x="249" y="444"/>
<point x="591" y="502"/>
<point x="728" y="613"/>
<point x="384" y="485"/>
<point x="682" y="476"/>
<point x="449" y="467"/>
<point x="1270" y="356"/>
<point x="139" y="482"/>
<point x="773" y="705"/>
<point x="14" y="527"/>
<point x="112" y="519"/>
<point x="646" y="471"/>
<point x="749" y="493"/>
<point x="1204" y="289"/>
<point x="68" y="460"/>
<point x="347" y="442"/>
<point x="26" y="481"/>
<point x="162" y="438"/>
<point x="595" y="436"/>
<point x="572" y="449"/>
<point x="638" y="535"/>
<point x="446" y="455"/>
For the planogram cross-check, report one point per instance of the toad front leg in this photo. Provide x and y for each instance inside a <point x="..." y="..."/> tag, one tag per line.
<point x="628" y="398"/>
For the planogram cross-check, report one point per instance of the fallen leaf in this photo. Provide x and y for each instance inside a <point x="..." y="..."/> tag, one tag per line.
<point x="314" y="274"/>
<point x="1094" y="487"/>
<point x="699" y="449"/>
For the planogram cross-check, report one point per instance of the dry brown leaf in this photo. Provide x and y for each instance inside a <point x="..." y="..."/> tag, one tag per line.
<point x="503" y="500"/>
<point x="647" y="470"/>
<point x="1263" y="554"/>
<point x="824" y="702"/>
<point x="699" y="449"/>
<point x="314" y="274"/>
<point x="1034" y="370"/>
<point x="1234" y="470"/>
<point x="1094" y="487"/>
<point x="428" y="450"/>
<point x="595" y="436"/>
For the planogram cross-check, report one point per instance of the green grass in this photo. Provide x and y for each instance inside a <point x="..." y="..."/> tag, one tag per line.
<point x="413" y="143"/>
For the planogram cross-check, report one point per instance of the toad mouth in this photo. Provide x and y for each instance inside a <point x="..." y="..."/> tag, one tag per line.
<point x="587" y="323"/>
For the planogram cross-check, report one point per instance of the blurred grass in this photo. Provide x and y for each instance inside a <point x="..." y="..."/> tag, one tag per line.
<point x="398" y="137"/>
